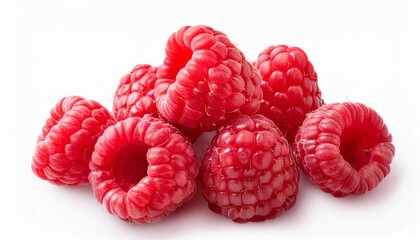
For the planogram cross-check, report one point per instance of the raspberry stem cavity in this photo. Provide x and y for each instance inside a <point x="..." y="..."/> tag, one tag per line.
<point x="130" y="166"/>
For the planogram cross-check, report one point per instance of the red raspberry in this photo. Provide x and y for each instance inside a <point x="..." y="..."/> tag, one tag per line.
<point x="248" y="172"/>
<point x="345" y="149"/>
<point x="290" y="87"/>
<point x="134" y="96"/>
<point x="205" y="79"/>
<point x="64" y="147"/>
<point x="142" y="169"/>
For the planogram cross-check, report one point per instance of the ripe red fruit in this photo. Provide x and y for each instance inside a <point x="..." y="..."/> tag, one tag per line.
<point x="142" y="169"/>
<point x="204" y="80"/>
<point x="248" y="173"/>
<point x="290" y="87"/>
<point x="64" y="147"/>
<point x="344" y="148"/>
<point x="134" y="96"/>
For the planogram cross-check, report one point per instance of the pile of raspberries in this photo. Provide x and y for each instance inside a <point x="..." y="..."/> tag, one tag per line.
<point x="268" y="117"/>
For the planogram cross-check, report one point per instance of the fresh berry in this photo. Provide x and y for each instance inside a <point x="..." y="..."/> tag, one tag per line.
<point x="142" y="169"/>
<point x="134" y="96"/>
<point x="344" y="148"/>
<point x="64" y="147"/>
<point x="290" y="87"/>
<point x="248" y="174"/>
<point x="204" y="80"/>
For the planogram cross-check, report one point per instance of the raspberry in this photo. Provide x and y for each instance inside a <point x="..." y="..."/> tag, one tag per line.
<point x="248" y="174"/>
<point x="142" y="169"/>
<point x="344" y="148"/>
<point x="290" y="87"/>
<point x="204" y="80"/>
<point x="134" y="96"/>
<point x="64" y="147"/>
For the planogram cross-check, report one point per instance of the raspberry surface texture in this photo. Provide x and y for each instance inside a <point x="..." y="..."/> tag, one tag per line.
<point x="143" y="169"/>
<point x="134" y="96"/>
<point x="64" y="147"/>
<point x="248" y="174"/>
<point x="290" y="87"/>
<point x="344" y="148"/>
<point x="204" y="80"/>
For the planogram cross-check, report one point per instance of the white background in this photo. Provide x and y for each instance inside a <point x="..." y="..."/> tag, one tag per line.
<point x="364" y="51"/>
